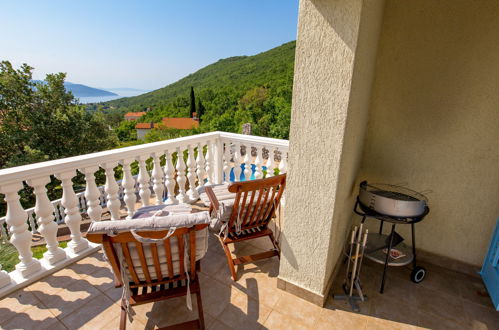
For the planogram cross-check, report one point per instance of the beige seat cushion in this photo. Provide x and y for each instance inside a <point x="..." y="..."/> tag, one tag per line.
<point x="159" y="223"/>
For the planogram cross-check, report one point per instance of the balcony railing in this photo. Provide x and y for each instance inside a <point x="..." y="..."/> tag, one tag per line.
<point x="180" y="167"/>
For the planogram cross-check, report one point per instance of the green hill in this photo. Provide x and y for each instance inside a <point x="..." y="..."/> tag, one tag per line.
<point x="235" y="90"/>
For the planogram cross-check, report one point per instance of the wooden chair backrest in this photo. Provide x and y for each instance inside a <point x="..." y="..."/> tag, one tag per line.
<point x="158" y="277"/>
<point x="256" y="201"/>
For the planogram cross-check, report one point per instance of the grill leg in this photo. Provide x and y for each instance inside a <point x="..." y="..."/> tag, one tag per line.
<point x="386" y="260"/>
<point x="413" y="247"/>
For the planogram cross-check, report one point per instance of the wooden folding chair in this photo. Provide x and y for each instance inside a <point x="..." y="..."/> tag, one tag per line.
<point x="254" y="206"/>
<point x="152" y="277"/>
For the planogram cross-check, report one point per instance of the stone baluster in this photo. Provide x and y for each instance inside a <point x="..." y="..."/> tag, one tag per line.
<point x="92" y="194"/>
<point x="210" y="157"/>
<point x="4" y="278"/>
<point x="283" y="165"/>
<point x="112" y="190"/>
<point x="258" y="163"/>
<point x="270" y="163"/>
<point x="128" y="184"/>
<point x="44" y="211"/>
<point x="143" y="179"/>
<point x="20" y="236"/>
<point x="181" y="178"/>
<point x="169" y="179"/>
<point x="157" y="175"/>
<point x="73" y="216"/>
<point x="200" y="161"/>
<point x="191" y="175"/>
<point x="247" y="163"/>
<point x="237" y="162"/>
<point x="227" y="163"/>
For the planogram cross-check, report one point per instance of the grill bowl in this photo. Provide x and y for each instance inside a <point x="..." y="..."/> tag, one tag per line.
<point x="392" y="200"/>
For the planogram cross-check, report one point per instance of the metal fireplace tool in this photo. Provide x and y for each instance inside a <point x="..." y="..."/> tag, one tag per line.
<point x="357" y="246"/>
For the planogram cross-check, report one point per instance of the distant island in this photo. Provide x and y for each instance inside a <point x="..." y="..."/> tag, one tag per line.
<point x="80" y="90"/>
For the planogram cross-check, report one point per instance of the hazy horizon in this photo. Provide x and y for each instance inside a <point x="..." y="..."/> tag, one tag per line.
<point x="143" y="46"/>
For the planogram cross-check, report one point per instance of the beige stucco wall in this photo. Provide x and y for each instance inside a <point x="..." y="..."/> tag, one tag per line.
<point x="331" y="96"/>
<point x="434" y="118"/>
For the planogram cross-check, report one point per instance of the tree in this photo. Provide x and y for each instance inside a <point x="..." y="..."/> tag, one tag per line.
<point x="201" y="110"/>
<point x="192" y="108"/>
<point x="42" y="121"/>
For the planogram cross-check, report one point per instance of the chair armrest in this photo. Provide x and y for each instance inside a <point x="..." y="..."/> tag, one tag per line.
<point x="214" y="203"/>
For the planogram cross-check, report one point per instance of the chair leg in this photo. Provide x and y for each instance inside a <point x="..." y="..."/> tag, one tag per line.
<point x="123" y="318"/>
<point x="200" y="310"/>
<point x="229" y="260"/>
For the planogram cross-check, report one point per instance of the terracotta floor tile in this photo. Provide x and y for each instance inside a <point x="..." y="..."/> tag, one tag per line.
<point x="244" y="312"/>
<point x="439" y="304"/>
<point x="338" y="319"/>
<point x="218" y="325"/>
<point x="307" y="313"/>
<point x="70" y="298"/>
<point x="52" y="284"/>
<point x="95" y="314"/>
<point x="259" y="286"/>
<point x="16" y="302"/>
<point x="382" y="324"/>
<point x="474" y="290"/>
<point x="36" y="317"/>
<point x="278" y="321"/>
<point x="391" y="308"/>
<point x="480" y="317"/>
<point x="103" y="279"/>
<point x="429" y="321"/>
<point x="215" y="296"/>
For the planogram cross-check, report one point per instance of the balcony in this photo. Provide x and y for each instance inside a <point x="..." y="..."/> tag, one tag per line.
<point x="73" y="287"/>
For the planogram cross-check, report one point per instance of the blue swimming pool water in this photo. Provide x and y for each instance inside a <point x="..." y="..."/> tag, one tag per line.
<point x="243" y="177"/>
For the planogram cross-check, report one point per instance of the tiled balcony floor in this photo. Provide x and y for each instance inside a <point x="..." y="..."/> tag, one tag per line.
<point x="83" y="296"/>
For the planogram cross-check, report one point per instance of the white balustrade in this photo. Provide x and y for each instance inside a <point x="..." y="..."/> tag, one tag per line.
<point x="20" y="236"/>
<point x="210" y="158"/>
<point x="181" y="178"/>
<point x="283" y="165"/>
<point x="48" y="228"/>
<point x="191" y="175"/>
<point x="169" y="179"/>
<point x="128" y="184"/>
<point x="247" y="163"/>
<point x="258" y="163"/>
<point x="270" y="163"/>
<point x="73" y="217"/>
<point x="144" y="179"/>
<point x="92" y="194"/>
<point x="200" y="162"/>
<point x="237" y="162"/>
<point x="157" y="175"/>
<point x="223" y="152"/>
<point x="227" y="163"/>
<point x="112" y="190"/>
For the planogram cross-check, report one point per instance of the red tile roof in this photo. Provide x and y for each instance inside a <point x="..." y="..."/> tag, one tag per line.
<point x="177" y="123"/>
<point x="144" y="125"/>
<point x="180" y="123"/>
<point x="135" y="114"/>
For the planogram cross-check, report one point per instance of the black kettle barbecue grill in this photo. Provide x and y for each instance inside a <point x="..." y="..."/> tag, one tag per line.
<point x="395" y="205"/>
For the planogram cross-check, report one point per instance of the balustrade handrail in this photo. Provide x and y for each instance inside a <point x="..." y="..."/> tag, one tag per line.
<point x="203" y="159"/>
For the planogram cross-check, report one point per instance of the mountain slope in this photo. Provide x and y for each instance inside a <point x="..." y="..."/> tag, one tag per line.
<point x="240" y="72"/>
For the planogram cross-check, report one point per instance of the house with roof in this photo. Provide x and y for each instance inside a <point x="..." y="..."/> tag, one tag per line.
<point x="175" y="123"/>
<point x="130" y="116"/>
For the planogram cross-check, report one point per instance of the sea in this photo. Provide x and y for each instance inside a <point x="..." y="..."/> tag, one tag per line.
<point x="121" y="93"/>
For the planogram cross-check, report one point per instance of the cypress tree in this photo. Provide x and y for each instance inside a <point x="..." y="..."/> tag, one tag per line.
<point x="193" y="102"/>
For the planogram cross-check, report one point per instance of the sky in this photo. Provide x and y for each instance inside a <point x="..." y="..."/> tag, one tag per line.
<point x="138" y="44"/>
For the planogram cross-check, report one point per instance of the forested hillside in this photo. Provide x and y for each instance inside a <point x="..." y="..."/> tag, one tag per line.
<point x="244" y="89"/>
